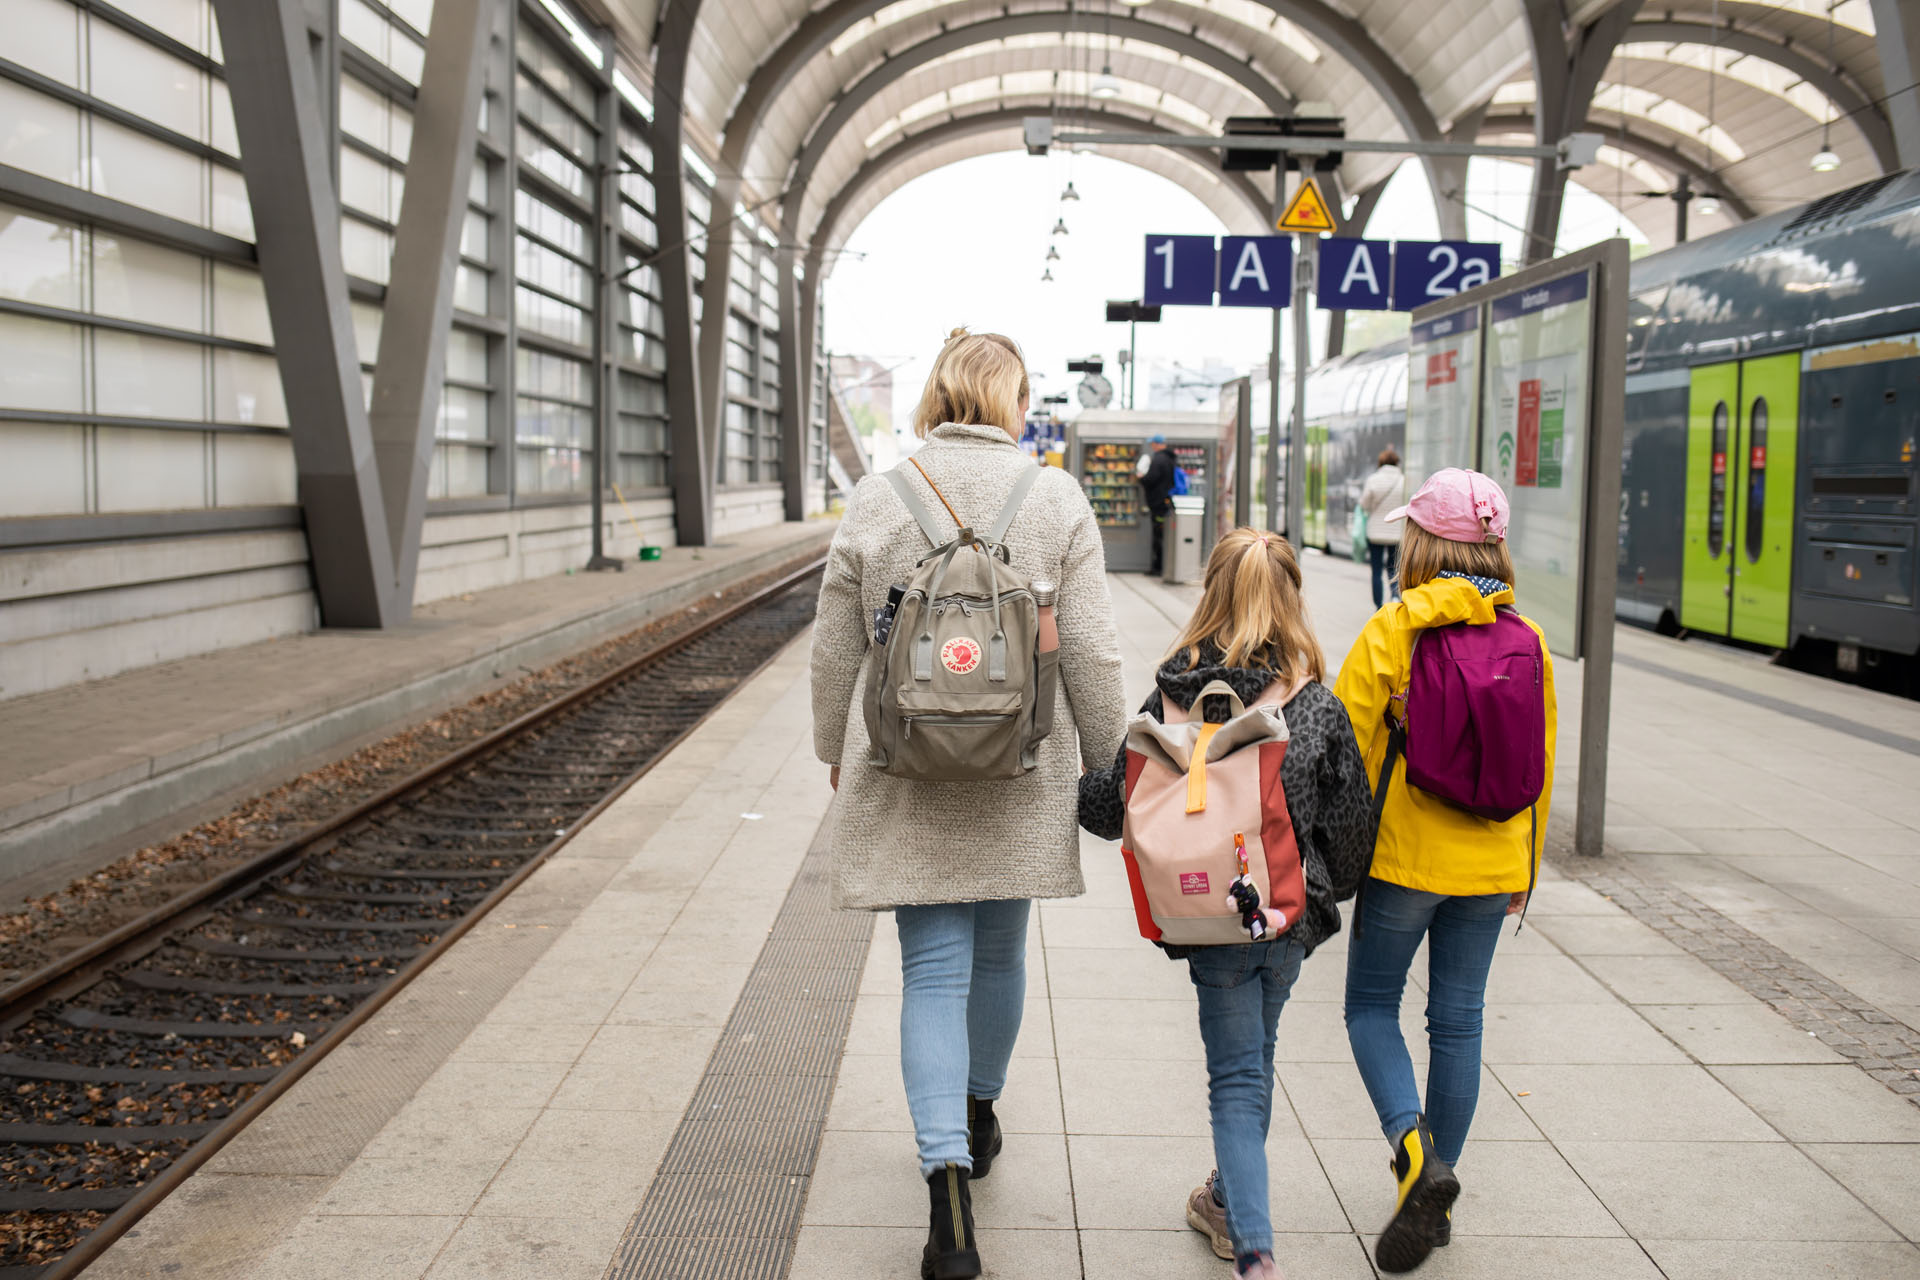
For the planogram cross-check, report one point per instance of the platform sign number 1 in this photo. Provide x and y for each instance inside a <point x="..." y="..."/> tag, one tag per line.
<point x="1427" y="270"/>
<point x="1180" y="271"/>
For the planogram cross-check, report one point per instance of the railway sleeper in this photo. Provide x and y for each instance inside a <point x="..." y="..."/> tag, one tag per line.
<point x="119" y="1135"/>
<point x="103" y="1199"/>
<point x="247" y="951"/>
<point x="355" y="871"/>
<point x="301" y="891"/>
<point x="153" y="980"/>
<point x="429" y="929"/>
<point x="445" y="832"/>
<point x="17" y="1068"/>
<point x="93" y="1019"/>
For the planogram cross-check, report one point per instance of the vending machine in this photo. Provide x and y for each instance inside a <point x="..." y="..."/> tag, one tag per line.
<point x="1106" y="448"/>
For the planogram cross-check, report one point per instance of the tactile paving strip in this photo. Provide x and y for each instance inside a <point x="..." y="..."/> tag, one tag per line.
<point x="726" y="1202"/>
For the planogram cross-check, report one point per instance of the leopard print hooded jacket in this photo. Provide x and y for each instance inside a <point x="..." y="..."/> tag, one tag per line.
<point x="1326" y="783"/>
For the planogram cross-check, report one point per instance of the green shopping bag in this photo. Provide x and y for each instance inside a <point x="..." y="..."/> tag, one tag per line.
<point x="1359" y="534"/>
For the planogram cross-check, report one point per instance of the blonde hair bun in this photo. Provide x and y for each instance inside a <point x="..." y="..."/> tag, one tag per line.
<point x="977" y="379"/>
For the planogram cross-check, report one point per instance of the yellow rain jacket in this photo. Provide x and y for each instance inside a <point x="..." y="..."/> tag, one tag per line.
<point x="1424" y="842"/>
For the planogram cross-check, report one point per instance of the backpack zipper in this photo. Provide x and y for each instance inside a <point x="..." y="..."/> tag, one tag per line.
<point x="956" y="722"/>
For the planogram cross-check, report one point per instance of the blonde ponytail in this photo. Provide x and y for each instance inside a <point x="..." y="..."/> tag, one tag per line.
<point x="1252" y="611"/>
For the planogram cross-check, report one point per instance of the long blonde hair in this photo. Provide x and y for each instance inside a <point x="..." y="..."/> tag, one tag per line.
<point x="1250" y="608"/>
<point x="1424" y="556"/>
<point x="977" y="378"/>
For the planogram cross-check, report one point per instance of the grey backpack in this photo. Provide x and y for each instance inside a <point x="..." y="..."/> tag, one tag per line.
<point x="960" y="691"/>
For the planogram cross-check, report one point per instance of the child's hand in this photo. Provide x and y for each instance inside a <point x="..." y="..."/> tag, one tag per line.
<point x="1516" y="904"/>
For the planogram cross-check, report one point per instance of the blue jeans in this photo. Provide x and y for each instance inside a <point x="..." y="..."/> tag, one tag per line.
<point x="1242" y="990"/>
<point x="1384" y="557"/>
<point x="963" y="972"/>
<point x="1461" y="933"/>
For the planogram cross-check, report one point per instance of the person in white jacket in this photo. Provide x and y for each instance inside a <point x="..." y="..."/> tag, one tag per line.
<point x="1385" y="490"/>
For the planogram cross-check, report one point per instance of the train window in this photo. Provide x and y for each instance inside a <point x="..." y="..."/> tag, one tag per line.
<point x="1717" y="484"/>
<point x="1756" y="478"/>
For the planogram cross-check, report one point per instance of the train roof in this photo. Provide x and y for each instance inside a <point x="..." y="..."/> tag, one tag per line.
<point x="1843" y="268"/>
<point x="1364" y="382"/>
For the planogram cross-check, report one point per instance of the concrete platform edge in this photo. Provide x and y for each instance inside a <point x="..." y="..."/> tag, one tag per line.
<point x="32" y="839"/>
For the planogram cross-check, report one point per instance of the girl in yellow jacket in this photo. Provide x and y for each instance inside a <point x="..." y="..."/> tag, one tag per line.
<point x="1439" y="872"/>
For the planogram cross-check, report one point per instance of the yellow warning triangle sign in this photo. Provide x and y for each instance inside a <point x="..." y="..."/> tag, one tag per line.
<point x="1306" y="211"/>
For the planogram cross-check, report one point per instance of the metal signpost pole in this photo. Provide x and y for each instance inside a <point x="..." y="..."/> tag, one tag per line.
<point x="1305" y="258"/>
<point x="1273" y="378"/>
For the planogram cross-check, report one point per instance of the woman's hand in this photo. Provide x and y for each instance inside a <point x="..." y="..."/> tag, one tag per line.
<point x="1515" y="905"/>
<point x="833" y="777"/>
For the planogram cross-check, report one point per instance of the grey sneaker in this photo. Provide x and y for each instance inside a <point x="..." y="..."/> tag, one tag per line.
<point x="1209" y="1217"/>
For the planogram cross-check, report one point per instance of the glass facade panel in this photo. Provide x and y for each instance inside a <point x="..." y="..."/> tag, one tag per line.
<point x="140" y="170"/>
<point x="367" y="250"/>
<point x="40" y="364"/>
<point x="246" y="389"/>
<point x="39" y="134"/>
<point x="188" y="21"/>
<point x="136" y="376"/>
<point x="467" y="356"/>
<point x="463" y="414"/>
<point x="240" y="305"/>
<point x="132" y="74"/>
<point x="44" y="36"/>
<point x="39" y="259"/>
<point x="136" y="280"/>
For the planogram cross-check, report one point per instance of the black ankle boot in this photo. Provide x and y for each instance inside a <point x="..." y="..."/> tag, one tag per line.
<point x="1428" y="1189"/>
<point x="983" y="1135"/>
<point x="951" y="1252"/>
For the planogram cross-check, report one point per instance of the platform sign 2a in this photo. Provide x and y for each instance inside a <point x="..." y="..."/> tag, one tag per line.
<point x="1356" y="275"/>
<point x="1256" y="271"/>
<point x="1428" y="270"/>
<point x="1180" y="271"/>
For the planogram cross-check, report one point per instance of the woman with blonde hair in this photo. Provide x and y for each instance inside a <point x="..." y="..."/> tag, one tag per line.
<point x="1251" y="631"/>
<point x="958" y="863"/>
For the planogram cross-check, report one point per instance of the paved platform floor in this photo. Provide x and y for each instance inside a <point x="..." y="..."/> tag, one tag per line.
<point x="1642" y="1115"/>
<point x="83" y="766"/>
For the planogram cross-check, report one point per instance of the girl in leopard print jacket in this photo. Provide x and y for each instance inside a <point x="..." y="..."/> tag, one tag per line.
<point x="1251" y="631"/>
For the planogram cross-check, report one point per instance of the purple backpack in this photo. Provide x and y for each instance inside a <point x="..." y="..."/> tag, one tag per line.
<point x="1475" y="725"/>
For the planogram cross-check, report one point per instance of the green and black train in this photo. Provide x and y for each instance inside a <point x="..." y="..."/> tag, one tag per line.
<point x="1768" y="489"/>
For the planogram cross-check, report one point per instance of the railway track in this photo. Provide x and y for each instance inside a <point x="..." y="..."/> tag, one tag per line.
<point x="125" y="1065"/>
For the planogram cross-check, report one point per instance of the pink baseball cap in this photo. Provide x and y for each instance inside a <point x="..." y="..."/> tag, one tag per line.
<point x="1452" y="503"/>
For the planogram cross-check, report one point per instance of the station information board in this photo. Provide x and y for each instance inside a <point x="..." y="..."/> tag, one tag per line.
<point x="1535" y="436"/>
<point x="1443" y="393"/>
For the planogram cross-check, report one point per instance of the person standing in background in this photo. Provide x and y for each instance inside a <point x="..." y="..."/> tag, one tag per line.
<point x="1156" y="486"/>
<point x="1385" y="490"/>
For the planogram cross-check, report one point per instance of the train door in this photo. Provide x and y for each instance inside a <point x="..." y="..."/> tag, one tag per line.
<point x="1316" y="496"/>
<point x="1742" y="425"/>
<point x="1762" y="544"/>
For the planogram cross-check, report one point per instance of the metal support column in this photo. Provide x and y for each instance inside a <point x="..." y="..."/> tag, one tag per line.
<point x="1602" y="536"/>
<point x="691" y="466"/>
<point x="1896" y="25"/>
<point x="1566" y="72"/>
<point x="796" y="387"/>
<point x="287" y="155"/>
<point x="606" y="293"/>
<point x="1273" y="378"/>
<point x="412" y="360"/>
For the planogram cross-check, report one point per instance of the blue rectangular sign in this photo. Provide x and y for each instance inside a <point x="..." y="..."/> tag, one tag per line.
<point x="1355" y="275"/>
<point x="1256" y="271"/>
<point x="1554" y="293"/>
<point x="1427" y="270"/>
<point x="1444" y="326"/>
<point x="1180" y="271"/>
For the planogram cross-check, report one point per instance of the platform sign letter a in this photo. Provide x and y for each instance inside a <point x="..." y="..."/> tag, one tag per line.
<point x="1180" y="271"/>
<point x="1255" y="271"/>
<point x="1354" y="274"/>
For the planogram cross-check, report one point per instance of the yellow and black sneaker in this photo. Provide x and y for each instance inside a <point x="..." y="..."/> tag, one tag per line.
<point x="1443" y="1234"/>
<point x="1427" y="1192"/>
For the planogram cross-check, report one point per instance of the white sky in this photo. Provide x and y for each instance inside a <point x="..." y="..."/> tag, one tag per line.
<point x="965" y="244"/>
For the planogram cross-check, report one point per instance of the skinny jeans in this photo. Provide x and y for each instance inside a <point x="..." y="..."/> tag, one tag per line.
<point x="1242" y="990"/>
<point x="1461" y="933"/>
<point x="963" y="973"/>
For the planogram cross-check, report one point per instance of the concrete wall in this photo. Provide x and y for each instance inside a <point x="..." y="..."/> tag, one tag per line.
<point x="746" y="507"/>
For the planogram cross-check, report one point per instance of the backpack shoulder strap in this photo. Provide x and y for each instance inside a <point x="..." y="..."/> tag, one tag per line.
<point x="1021" y="487"/>
<point x="916" y="508"/>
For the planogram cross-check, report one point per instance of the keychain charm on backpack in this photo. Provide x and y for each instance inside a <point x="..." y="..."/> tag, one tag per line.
<point x="1245" y="894"/>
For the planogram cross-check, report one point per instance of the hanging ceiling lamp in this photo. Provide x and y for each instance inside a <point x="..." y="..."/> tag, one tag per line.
<point x="1069" y="193"/>
<point x="1824" y="160"/>
<point x="1046" y="277"/>
<point x="1707" y="206"/>
<point x="1136" y="4"/>
<point x="1060" y="227"/>
<point x="1104" y="84"/>
<point x="1053" y="253"/>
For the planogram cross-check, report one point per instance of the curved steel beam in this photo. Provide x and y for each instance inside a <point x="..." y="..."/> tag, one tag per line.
<point x="800" y="300"/>
<point x="1566" y="67"/>
<point x="688" y="461"/>
<point x="1854" y="105"/>
<point x="1668" y="157"/>
<point x="712" y="354"/>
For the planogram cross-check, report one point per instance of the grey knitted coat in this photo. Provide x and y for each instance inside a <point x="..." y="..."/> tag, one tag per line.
<point x="897" y="842"/>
